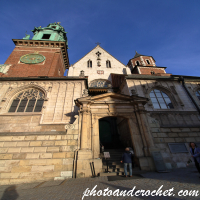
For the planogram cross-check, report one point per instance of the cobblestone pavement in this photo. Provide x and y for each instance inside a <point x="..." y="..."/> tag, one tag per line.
<point x="179" y="179"/>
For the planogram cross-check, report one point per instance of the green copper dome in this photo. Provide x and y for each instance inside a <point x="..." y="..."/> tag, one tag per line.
<point x="53" y="32"/>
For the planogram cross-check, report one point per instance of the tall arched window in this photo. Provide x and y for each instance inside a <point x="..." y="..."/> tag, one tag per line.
<point x="89" y="64"/>
<point x="137" y="63"/>
<point x="198" y="94"/>
<point x="160" y="100"/>
<point x="108" y="64"/>
<point x="30" y="100"/>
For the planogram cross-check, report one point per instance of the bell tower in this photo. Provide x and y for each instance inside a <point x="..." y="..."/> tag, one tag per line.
<point x="141" y="64"/>
<point x="45" y="55"/>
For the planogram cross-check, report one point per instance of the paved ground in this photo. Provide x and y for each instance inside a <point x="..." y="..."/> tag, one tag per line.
<point x="186" y="179"/>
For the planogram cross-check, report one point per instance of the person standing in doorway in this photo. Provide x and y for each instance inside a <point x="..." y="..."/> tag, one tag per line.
<point x="127" y="160"/>
<point x="195" y="152"/>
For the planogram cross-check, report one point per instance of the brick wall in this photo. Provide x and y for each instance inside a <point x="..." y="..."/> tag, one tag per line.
<point x="49" y="67"/>
<point x="148" y="70"/>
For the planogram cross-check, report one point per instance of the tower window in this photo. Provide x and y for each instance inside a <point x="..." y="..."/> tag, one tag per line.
<point x="148" y="62"/>
<point x="160" y="100"/>
<point x="137" y="63"/>
<point x="53" y="27"/>
<point x="30" y="100"/>
<point x="89" y="64"/>
<point x="152" y="72"/>
<point x="108" y="64"/>
<point x="46" y="36"/>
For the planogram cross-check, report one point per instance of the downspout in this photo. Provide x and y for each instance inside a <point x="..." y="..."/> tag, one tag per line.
<point x="181" y="79"/>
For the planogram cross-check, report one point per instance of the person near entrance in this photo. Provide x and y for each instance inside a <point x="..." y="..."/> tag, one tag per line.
<point x="127" y="160"/>
<point x="195" y="152"/>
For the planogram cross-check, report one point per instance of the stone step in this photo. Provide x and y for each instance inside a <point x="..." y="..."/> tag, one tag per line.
<point x="111" y="174"/>
<point x="121" y="173"/>
<point x="119" y="168"/>
<point x="112" y="163"/>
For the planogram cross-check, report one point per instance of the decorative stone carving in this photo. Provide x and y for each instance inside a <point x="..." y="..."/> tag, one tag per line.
<point x="82" y="74"/>
<point x="9" y="89"/>
<point x="85" y="92"/>
<point x="110" y="88"/>
<point x="4" y="99"/>
<point x="69" y="126"/>
<point x="74" y="125"/>
<point x="49" y="89"/>
<point x="133" y="92"/>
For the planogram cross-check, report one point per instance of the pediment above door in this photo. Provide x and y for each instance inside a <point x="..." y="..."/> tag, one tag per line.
<point x="111" y="98"/>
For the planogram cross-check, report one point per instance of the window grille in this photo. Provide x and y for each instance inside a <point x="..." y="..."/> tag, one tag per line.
<point x="160" y="100"/>
<point x="30" y="100"/>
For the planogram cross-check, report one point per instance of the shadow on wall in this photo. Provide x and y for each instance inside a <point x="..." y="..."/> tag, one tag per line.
<point x="10" y="193"/>
<point x="72" y="114"/>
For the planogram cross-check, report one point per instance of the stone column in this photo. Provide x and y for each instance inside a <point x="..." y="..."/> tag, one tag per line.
<point x="145" y="126"/>
<point x="85" y="129"/>
<point x="85" y="151"/>
<point x="146" y="163"/>
<point x="136" y="137"/>
<point x="142" y="134"/>
<point x="95" y="137"/>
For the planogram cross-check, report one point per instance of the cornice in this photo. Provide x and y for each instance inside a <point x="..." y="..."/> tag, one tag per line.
<point x="46" y="44"/>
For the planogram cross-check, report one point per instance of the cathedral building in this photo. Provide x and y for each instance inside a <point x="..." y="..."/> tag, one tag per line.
<point x="53" y="126"/>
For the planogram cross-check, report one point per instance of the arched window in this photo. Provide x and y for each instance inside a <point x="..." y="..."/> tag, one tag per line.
<point x="108" y="64"/>
<point x="30" y="100"/>
<point x="160" y="100"/>
<point x="89" y="64"/>
<point x="198" y="94"/>
<point x="137" y="63"/>
<point x="148" y="62"/>
<point x="99" y="83"/>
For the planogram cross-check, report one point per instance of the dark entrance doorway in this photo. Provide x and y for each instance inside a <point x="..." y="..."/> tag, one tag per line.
<point x="114" y="133"/>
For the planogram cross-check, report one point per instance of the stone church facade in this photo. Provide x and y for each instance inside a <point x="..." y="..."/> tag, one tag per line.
<point x="51" y="126"/>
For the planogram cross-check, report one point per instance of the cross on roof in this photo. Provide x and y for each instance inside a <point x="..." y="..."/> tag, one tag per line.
<point x="98" y="43"/>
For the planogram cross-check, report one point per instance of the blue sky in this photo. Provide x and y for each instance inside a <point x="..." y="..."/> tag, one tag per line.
<point x="168" y="30"/>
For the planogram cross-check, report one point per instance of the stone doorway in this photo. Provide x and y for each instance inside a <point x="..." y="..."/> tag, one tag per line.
<point x="129" y="108"/>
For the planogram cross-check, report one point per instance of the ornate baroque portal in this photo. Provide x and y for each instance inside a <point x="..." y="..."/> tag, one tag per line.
<point x="111" y="104"/>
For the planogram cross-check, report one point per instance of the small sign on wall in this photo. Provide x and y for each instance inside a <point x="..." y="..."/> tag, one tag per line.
<point x="178" y="148"/>
<point x="106" y="154"/>
<point x="100" y="72"/>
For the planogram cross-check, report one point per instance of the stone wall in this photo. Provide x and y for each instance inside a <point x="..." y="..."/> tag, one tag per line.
<point x="179" y="134"/>
<point x="26" y="157"/>
<point x="58" y="108"/>
<point x="36" y="146"/>
<point x="178" y="125"/>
